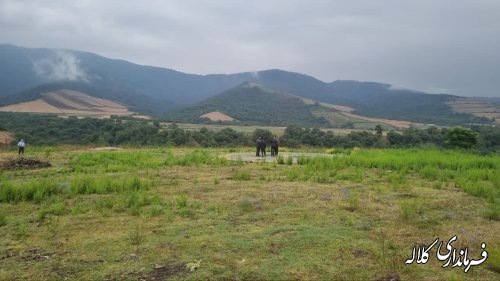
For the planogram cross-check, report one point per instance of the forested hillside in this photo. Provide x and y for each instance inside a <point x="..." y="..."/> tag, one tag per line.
<point x="26" y="73"/>
<point x="252" y="104"/>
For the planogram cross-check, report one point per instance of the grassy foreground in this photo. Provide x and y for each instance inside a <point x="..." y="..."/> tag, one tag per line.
<point x="189" y="214"/>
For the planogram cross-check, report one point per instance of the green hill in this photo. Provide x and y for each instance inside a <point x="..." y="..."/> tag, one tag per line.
<point x="25" y="73"/>
<point x="251" y="103"/>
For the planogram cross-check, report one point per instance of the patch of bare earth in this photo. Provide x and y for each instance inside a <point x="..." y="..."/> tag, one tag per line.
<point x="347" y="111"/>
<point x="23" y="163"/>
<point x="217" y="116"/>
<point x="72" y="103"/>
<point x="395" y="123"/>
<point x="329" y="105"/>
<point x="158" y="272"/>
<point x="476" y="107"/>
<point x="106" y="148"/>
<point x="6" y="138"/>
<point x="36" y="106"/>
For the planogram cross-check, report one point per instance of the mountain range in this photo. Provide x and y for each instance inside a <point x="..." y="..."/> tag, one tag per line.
<point x="26" y="74"/>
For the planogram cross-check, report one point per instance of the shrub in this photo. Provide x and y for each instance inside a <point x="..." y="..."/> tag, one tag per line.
<point x="242" y="175"/>
<point x="460" y="137"/>
<point x="353" y="201"/>
<point x="104" y="203"/>
<point x="58" y="209"/>
<point x="182" y="201"/>
<point x="302" y="160"/>
<point x="155" y="210"/>
<point x="493" y="212"/>
<point x="408" y="210"/>
<point x="494" y="258"/>
<point x="3" y="220"/>
<point x="280" y="160"/>
<point x="245" y="204"/>
<point x="75" y="210"/>
<point x="136" y="238"/>
<point x="42" y="214"/>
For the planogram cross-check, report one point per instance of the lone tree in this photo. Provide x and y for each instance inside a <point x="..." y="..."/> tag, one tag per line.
<point x="460" y="137"/>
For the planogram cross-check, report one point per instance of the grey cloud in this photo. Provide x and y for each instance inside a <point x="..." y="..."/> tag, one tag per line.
<point x="443" y="45"/>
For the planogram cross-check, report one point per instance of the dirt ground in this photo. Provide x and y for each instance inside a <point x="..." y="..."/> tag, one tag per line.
<point x="250" y="157"/>
<point x="70" y="103"/>
<point x="23" y="163"/>
<point x="6" y="138"/>
<point x="217" y="116"/>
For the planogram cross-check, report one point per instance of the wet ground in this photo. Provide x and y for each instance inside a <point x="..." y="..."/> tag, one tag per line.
<point x="250" y="157"/>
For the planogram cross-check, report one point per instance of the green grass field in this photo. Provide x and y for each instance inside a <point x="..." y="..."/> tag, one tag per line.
<point x="190" y="214"/>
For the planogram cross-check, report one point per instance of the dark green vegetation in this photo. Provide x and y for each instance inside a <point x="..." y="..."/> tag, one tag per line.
<point x="252" y="104"/>
<point x="25" y="73"/>
<point x="485" y="139"/>
<point x="52" y="130"/>
<point x="184" y="214"/>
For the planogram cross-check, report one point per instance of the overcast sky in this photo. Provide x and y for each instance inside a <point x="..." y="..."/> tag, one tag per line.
<point x="439" y="46"/>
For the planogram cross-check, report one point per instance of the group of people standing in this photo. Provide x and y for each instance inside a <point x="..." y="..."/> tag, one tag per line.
<point x="261" y="146"/>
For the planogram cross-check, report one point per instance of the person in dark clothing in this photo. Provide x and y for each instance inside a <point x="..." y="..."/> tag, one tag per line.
<point x="262" y="147"/>
<point x="274" y="146"/>
<point x="258" y="144"/>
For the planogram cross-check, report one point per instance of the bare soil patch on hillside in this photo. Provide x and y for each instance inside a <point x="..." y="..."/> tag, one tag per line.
<point x="329" y="105"/>
<point x="476" y="107"/>
<point x="347" y="111"/>
<point x="395" y="123"/>
<point x="36" y="106"/>
<point x="71" y="103"/>
<point x="217" y="116"/>
<point x="6" y="138"/>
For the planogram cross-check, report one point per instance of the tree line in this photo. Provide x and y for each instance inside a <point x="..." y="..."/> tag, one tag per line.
<point x="53" y="130"/>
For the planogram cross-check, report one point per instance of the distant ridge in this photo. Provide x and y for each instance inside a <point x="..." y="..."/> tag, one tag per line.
<point x="27" y="73"/>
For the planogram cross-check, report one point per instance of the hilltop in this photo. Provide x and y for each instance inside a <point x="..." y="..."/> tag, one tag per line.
<point x="251" y="103"/>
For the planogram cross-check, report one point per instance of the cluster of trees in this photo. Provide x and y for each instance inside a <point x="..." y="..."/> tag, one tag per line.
<point x="52" y="130"/>
<point x="484" y="138"/>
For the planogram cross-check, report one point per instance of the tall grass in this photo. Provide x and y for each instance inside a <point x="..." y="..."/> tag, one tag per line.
<point x="105" y="185"/>
<point x="115" y="161"/>
<point x="29" y="191"/>
<point x="38" y="190"/>
<point x="477" y="175"/>
<point x="118" y="161"/>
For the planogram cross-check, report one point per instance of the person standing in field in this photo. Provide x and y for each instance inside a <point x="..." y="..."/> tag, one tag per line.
<point x="262" y="147"/>
<point x="258" y="144"/>
<point x="21" y="144"/>
<point x="274" y="146"/>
